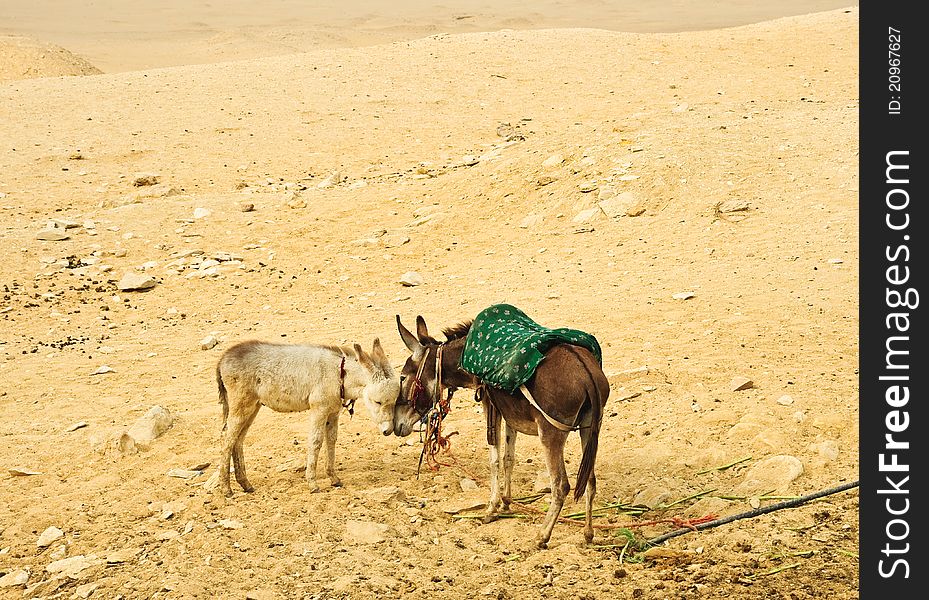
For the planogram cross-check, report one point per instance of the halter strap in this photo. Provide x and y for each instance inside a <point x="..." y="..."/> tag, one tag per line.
<point x="349" y="404"/>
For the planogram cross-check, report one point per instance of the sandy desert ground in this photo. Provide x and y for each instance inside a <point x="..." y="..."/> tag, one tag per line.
<point x="689" y="198"/>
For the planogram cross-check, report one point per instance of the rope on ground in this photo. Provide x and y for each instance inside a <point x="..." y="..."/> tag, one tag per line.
<point x="754" y="513"/>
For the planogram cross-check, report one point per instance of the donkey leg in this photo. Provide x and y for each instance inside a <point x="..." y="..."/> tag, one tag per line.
<point x="553" y="441"/>
<point x="589" y="493"/>
<point x="332" y="432"/>
<point x="509" y="459"/>
<point x="494" y="503"/>
<point x="317" y="434"/>
<point x="240" y="415"/>
<point x="238" y="452"/>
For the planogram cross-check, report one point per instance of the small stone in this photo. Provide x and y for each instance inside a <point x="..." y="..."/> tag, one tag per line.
<point x="740" y="383"/>
<point x="76" y="426"/>
<point x="230" y="524"/>
<point x="84" y="591"/>
<point x="247" y="207"/>
<point x="616" y="206"/>
<point x="103" y="369"/>
<point x="183" y="473"/>
<point x="72" y="566"/>
<point x="121" y="556"/>
<point x="208" y="342"/>
<point x="411" y="279"/>
<point x="835" y="261"/>
<point x="785" y="400"/>
<point x="588" y="186"/>
<point x="395" y="240"/>
<point x="553" y="161"/>
<point x="200" y="213"/>
<point x="469" y="160"/>
<point x="146" y="179"/>
<point x="14" y="578"/>
<point x="52" y="235"/>
<point x="586" y="215"/>
<point x="683" y="295"/>
<point x="732" y="206"/>
<point x="132" y="281"/>
<point x="150" y="426"/>
<point x="49" y="536"/>
<point x="468" y="485"/>
<point x="22" y="472"/>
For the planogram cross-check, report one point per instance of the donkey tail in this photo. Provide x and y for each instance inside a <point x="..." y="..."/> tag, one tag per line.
<point x="223" y="397"/>
<point x="590" y="450"/>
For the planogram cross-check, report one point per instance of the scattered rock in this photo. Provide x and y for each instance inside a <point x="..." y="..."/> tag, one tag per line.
<point x="84" y="591"/>
<point x="385" y="495"/>
<point x="553" y="161"/>
<point x="230" y="524"/>
<point x="208" y="342"/>
<point x="773" y="473"/>
<point x="103" y="369"/>
<point x="49" y="536"/>
<point x="133" y="281"/>
<point x="296" y="202"/>
<point x="21" y="472"/>
<point x="468" y="485"/>
<point x="835" y="261"/>
<point x="334" y="178"/>
<point x="150" y="426"/>
<point x="586" y="215"/>
<point x="14" y="578"/>
<point x="469" y="160"/>
<point x="785" y="400"/>
<point x="123" y="555"/>
<point x="605" y="193"/>
<point x="246" y="207"/>
<point x="183" y="473"/>
<point x="365" y="532"/>
<point x="740" y="383"/>
<point x="76" y="426"/>
<point x="683" y="295"/>
<point x="395" y="240"/>
<point x="729" y="206"/>
<point x="616" y="206"/>
<point x="827" y="450"/>
<point x="200" y="213"/>
<point x="72" y="566"/>
<point x="52" y="235"/>
<point x="411" y="279"/>
<point x="587" y="187"/>
<point x="146" y="179"/>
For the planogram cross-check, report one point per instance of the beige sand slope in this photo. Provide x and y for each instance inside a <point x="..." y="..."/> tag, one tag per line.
<point x="476" y="160"/>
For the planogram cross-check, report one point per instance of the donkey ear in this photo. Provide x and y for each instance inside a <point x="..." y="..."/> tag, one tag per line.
<point x="412" y="344"/>
<point x="363" y="358"/>
<point x="422" y="332"/>
<point x="380" y="358"/>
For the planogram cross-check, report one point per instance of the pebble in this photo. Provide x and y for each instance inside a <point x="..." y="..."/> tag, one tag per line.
<point x="52" y="235"/>
<point x="136" y="282"/>
<point x="586" y="215"/>
<point x="14" y="578"/>
<point x="230" y="524"/>
<point x="208" y="342"/>
<point x="683" y="295"/>
<point x="785" y="400"/>
<point x="200" y="213"/>
<point x="411" y="279"/>
<point x="103" y="369"/>
<point x="146" y="179"/>
<point x="530" y="221"/>
<point x="76" y="426"/>
<point x="49" y="536"/>
<point x="150" y="426"/>
<point x="739" y="383"/>
<point x="553" y="161"/>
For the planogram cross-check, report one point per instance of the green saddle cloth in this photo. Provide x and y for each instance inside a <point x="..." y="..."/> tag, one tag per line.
<point x="504" y="346"/>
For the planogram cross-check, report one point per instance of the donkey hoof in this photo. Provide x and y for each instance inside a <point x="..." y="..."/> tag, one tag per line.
<point x="337" y="483"/>
<point x="543" y="545"/>
<point x="315" y="490"/>
<point x="248" y="489"/>
<point x="490" y="518"/>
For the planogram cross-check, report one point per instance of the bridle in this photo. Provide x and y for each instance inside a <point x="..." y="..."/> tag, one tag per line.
<point x="417" y="389"/>
<point x="349" y="404"/>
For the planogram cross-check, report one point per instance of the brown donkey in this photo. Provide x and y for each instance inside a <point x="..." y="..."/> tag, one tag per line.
<point x="568" y="386"/>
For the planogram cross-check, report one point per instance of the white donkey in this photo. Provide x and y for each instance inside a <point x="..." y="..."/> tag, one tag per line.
<point x="290" y="378"/>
